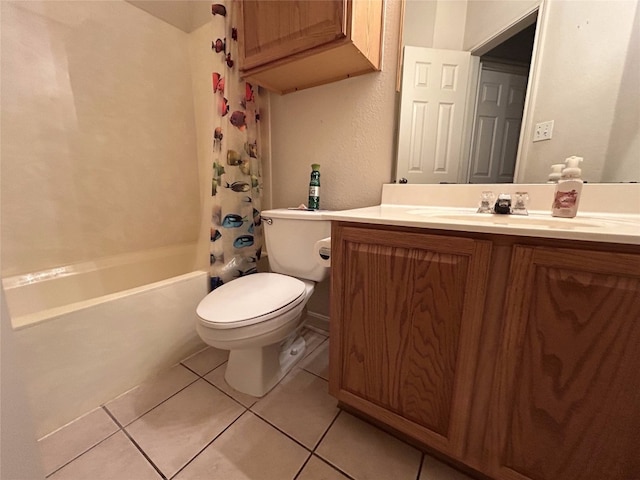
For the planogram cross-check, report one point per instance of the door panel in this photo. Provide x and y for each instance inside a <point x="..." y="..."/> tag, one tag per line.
<point x="501" y="100"/>
<point x="434" y="98"/>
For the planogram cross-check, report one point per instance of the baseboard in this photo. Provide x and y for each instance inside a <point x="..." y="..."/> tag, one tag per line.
<point x="317" y="321"/>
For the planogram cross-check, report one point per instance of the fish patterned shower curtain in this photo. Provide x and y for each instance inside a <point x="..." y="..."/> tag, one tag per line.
<point x="236" y="227"/>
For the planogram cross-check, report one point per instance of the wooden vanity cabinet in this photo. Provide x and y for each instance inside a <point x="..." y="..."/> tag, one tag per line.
<point x="287" y="45"/>
<point x="566" y="394"/>
<point x="517" y="357"/>
<point x="407" y="308"/>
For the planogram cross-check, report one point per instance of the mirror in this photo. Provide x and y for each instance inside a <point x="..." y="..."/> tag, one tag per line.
<point x="585" y="78"/>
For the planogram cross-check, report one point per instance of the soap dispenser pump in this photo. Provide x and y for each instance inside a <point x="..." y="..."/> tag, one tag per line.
<point x="556" y="173"/>
<point x="568" y="190"/>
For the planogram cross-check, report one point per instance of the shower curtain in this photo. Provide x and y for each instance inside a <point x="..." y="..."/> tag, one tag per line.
<point x="236" y="227"/>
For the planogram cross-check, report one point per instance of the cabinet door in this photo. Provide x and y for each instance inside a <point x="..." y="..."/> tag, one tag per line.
<point x="273" y="30"/>
<point x="406" y="314"/>
<point x="567" y="385"/>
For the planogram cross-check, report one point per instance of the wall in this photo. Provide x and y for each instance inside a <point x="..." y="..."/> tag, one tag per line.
<point x="348" y="127"/>
<point x="485" y="18"/>
<point x="588" y="84"/>
<point x="419" y="22"/>
<point x="19" y="454"/>
<point x="98" y="137"/>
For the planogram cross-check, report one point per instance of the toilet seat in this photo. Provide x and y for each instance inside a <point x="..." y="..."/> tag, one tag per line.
<point x="250" y="300"/>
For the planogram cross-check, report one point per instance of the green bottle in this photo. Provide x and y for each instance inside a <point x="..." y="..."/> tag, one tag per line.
<point x="314" y="187"/>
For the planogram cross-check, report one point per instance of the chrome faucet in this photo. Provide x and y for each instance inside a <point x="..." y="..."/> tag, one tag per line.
<point x="503" y="205"/>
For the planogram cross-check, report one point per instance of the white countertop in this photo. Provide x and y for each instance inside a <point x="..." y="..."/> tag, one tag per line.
<point x="597" y="226"/>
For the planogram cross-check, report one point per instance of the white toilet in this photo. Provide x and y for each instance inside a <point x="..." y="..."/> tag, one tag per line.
<point x="258" y="317"/>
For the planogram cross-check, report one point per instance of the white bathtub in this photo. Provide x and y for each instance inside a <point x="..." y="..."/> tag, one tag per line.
<point x="92" y="331"/>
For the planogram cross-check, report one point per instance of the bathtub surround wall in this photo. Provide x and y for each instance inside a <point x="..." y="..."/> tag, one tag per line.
<point x="100" y="163"/>
<point x="98" y="134"/>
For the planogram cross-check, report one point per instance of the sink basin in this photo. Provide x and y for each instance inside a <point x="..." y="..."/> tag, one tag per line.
<point x="515" y="220"/>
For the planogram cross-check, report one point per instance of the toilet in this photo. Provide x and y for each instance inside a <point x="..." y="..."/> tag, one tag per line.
<point x="258" y="317"/>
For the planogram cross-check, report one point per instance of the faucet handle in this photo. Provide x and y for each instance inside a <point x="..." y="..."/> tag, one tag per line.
<point x="520" y="204"/>
<point x="486" y="202"/>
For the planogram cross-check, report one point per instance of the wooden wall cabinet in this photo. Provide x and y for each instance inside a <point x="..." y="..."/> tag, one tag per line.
<point x="508" y="355"/>
<point x="288" y="45"/>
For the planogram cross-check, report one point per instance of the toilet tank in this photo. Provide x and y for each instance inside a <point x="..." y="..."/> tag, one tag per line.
<point x="290" y="236"/>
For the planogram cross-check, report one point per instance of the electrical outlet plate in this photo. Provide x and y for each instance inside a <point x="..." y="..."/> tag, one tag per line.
<point x="543" y="131"/>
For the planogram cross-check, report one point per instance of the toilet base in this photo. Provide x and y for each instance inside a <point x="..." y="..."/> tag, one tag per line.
<point x="255" y="371"/>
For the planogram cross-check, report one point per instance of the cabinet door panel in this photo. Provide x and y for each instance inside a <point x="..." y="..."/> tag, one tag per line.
<point x="408" y="306"/>
<point x="276" y="29"/>
<point x="568" y="374"/>
<point x="403" y="341"/>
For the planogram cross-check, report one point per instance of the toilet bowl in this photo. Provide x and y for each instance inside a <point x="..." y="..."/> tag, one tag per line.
<point x="258" y="317"/>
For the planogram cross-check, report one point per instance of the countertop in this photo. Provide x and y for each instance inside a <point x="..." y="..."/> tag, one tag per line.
<point x="596" y="226"/>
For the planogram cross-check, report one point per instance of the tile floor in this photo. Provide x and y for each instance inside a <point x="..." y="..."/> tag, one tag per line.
<point x="189" y="424"/>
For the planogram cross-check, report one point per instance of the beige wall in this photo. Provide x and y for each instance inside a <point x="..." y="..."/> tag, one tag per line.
<point x="588" y="84"/>
<point x="98" y="136"/>
<point x="348" y="127"/>
<point x="587" y="80"/>
<point x="485" y="18"/>
<point x="419" y="23"/>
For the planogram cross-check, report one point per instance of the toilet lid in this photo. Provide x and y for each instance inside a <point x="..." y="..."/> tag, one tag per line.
<point x="251" y="299"/>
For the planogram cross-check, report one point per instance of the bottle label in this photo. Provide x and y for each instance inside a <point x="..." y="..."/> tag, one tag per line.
<point x="314" y="191"/>
<point x="565" y="199"/>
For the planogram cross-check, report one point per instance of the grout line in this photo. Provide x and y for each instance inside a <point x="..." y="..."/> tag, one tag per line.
<point x="135" y="444"/>
<point x="280" y="430"/>
<point x="327" y="430"/>
<point x="152" y="408"/>
<point x="206" y="373"/>
<point x="420" y="466"/>
<point x="228" y="395"/>
<point x="85" y="451"/>
<point x="333" y="466"/>
<point x="313" y="373"/>
<point x="208" y="444"/>
<point x="303" y="465"/>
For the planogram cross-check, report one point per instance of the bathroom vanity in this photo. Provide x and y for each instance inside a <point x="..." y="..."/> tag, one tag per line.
<point x="508" y="345"/>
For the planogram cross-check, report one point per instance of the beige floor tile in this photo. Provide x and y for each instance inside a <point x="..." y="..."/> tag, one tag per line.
<point x="250" y="449"/>
<point x="300" y="406"/>
<point x="79" y="436"/>
<point x="313" y="339"/>
<point x="433" y="469"/>
<point x="115" y="458"/>
<point x="316" y="469"/>
<point x="138" y="401"/>
<point x="217" y="378"/>
<point x="366" y="452"/>
<point x="206" y="360"/>
<point x="318" y="361"/>
<point x="174" y="432"/>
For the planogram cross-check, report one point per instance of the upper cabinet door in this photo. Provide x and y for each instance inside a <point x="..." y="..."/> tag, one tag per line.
<point x="273" y="30"/>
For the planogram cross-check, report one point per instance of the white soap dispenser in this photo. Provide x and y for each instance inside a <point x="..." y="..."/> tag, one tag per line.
<point x="556" y="173"/>
<point x="568" y="190"/>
